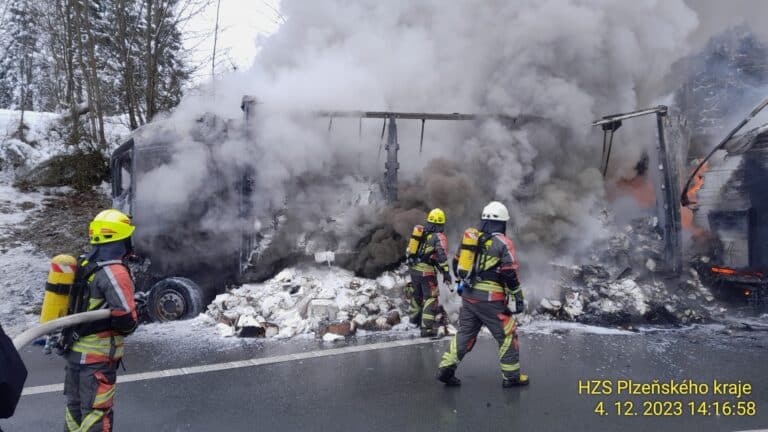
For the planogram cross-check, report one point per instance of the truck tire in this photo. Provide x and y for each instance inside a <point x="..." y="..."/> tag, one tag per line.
<point x="173" y="299"/>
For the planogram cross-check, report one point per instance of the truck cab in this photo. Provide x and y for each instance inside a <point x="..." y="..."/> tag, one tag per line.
<point x="183" y="263"/>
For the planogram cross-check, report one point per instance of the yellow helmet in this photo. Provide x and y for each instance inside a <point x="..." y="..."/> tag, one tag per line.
<point x="110" y="226"/>
<point x="436" y="216"/>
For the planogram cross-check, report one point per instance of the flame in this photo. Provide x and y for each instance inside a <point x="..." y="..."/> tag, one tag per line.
<point x="686" y="214"/>
<point x="723" y="270"/>
<point x="698" y="182"/>
<point x="639" y="188"/>
<point x="733" y="272"/>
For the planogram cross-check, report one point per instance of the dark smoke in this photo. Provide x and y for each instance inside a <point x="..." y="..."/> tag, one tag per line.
<point x="568" y="62"/>
<point x="385" y="232"/>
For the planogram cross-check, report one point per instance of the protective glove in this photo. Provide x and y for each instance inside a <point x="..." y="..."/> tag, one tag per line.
<point x="51" y="343"/>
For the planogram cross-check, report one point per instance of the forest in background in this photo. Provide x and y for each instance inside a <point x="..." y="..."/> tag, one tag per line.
<point x="92" y="59"/>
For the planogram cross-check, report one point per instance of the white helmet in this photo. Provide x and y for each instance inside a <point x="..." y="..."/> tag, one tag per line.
<point x="495" y="211"/>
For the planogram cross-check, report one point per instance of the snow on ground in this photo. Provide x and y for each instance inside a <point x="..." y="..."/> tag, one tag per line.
<point x="15" y="205"/>
<point x="23" y="270"/>
<point x="42" y="139"/>
<point x="38" y="123"/>
<point x="543" y="326"/>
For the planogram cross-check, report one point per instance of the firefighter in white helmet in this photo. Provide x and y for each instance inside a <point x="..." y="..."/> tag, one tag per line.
<point x="488" y="288"/>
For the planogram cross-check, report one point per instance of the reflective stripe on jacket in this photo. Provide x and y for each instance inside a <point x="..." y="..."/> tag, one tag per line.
<point x="110" y="287"/>
<point x="433" y="255"/>
<point x="495" y="263"/>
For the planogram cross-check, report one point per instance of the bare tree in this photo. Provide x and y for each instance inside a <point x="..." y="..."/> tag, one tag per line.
<point x="215" y="40"/>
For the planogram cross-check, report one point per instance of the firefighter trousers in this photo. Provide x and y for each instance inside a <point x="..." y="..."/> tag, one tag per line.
<point x="89" y="390"/>
<point x="495" y="316"/>
<point x="425" y="307"/>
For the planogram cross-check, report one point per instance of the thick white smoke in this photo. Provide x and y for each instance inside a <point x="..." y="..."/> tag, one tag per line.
<point x="567" y="62"/>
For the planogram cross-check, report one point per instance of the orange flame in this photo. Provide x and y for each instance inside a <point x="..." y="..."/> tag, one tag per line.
<point x="686" y="214"/>
<point x="733" y="272"/>
<point x="639" y="188"/>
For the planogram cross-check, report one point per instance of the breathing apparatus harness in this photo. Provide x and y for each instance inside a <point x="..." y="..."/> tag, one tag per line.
<point x="478" y="254"/>
<point x="78" y="301"/>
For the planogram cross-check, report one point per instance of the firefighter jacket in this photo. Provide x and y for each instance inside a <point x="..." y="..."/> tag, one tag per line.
<point x="495" y="272"/>
<point x="109" y="287"/>
<point x="432" y="256"/>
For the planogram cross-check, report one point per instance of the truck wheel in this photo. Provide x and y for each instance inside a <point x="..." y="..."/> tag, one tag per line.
<point x="174" y="298"/>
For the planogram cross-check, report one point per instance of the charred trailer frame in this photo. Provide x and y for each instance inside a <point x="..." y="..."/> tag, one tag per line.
<point x="671" y="140"/>
<point x="392" y="146"/>
<point x="171" y="290"/>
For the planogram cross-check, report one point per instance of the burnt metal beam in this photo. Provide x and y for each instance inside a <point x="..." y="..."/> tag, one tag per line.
<point x="669" y="205"/>
<point x="419" y="115"/>
<point x="392" y="146"/>
<point x="392" y="165"/>
<point x="667" y="186"/>
<point x="661" y="109"/>
<point x="756" y="110"/>
<point x="249" y="104"/>
<point x="741" y="143"/>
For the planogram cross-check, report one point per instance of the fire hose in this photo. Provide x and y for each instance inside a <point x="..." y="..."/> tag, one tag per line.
<point x="54" y="325"/>
<point x="13" y="374"/>
<point x="759" y="107"/>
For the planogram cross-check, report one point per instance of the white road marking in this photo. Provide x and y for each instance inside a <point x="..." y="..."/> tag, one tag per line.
<point x="143" y="376"/>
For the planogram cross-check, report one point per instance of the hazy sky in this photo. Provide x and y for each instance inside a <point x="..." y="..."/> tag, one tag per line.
<point x="241" y="22"/>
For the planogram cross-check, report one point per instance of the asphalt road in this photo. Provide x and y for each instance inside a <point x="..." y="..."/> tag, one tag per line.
<point x="393" y="389"/>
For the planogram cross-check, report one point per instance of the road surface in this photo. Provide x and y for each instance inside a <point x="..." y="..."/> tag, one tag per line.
<point x="374" y="384"/>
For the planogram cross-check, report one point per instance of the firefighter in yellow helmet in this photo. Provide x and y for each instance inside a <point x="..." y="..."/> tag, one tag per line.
<point x="489" y="286"/>
<point x="427" y="259"/>
<point x="94" y="350"/>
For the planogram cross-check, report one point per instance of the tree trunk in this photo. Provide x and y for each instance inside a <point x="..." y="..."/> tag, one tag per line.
<point x="127" y="60"/>
<point x="151" y="66"/>
<point x="96" y="97"/>
<point x="65" y="8"/>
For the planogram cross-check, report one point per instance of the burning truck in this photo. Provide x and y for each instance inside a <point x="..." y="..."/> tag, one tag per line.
<point x="196" y="247"/>
<point x="732" y="201"/>
<point x="192" y="248"/>
<point x="722" y="221"/>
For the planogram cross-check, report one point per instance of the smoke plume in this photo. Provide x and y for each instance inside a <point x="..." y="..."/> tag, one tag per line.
<point x="562" y="62"/>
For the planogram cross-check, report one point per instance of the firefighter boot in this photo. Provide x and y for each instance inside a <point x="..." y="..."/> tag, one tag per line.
<point x="428" y="332"/>
<point x="447" y="375"/>
<point x="522" y="380"/>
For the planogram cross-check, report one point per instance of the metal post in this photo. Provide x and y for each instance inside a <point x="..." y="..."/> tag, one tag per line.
<point x="667" y="183"/>
<point x="667" y="202"/>
<point x="391" y="166"/>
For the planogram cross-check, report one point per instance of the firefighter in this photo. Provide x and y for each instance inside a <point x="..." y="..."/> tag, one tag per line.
<point x="94" y="350"/>
<point x="13" y="373"/>
<point x="488" y="288"/>
<point x="428" y="257"/>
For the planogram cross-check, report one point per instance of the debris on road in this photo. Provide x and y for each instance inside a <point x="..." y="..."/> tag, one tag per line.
<point x="309" y="300"/>
<point x="622" y="284"/>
